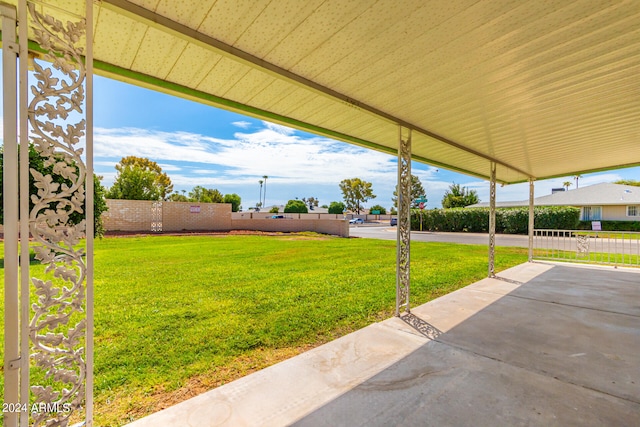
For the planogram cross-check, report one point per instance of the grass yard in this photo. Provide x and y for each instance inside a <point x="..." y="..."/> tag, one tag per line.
<point x="613" y="235"/>
<point x="176" y="316"/>
<point x="607" y="258"/>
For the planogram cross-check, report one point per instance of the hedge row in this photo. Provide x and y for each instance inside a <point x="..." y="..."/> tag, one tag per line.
<point x="612" y="225"/>
<point x="508" y="220"/>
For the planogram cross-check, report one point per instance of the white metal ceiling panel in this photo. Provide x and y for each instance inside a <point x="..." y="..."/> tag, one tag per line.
<point x="543" y="88"/>
<point x="117" y="48"/>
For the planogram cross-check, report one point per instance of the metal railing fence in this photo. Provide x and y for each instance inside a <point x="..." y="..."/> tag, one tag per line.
<point x="594" y="247"/>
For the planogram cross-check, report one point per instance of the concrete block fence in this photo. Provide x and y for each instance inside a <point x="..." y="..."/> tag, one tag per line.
<point x="149" y="216"/>
<point x="144" y="216"/>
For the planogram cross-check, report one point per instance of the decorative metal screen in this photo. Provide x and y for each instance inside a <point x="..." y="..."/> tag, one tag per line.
<point x="403" y="278"/>
<point x="57" y="128"/>
<point x="492" y="220"/>
<point x="582" y="246"/>
<point x="156" y="217"/>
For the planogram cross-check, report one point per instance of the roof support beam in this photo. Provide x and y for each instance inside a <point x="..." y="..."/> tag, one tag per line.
<point x="162" y="23"/>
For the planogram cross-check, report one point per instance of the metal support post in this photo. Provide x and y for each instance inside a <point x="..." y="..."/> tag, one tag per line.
<point x="89" y="215"/>
<point x="404" y="221"/>
<point x="10" y="51"/>
<point x="25" y="273"/>
<point x="492" y="221"/>
<point x="531" y="219"/>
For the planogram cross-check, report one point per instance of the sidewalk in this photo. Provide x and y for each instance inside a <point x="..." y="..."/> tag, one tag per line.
<point x="544" y="344"/>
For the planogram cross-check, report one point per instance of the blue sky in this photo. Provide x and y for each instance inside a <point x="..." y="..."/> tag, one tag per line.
<point x="197" y="144"/>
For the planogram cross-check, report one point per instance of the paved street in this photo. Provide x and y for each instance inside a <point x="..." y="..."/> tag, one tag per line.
<point x="385" y="232"/>
<point x="623" y="249"/>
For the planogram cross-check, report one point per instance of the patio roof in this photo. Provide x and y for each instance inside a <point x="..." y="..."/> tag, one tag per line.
<point x="543" y="89"/>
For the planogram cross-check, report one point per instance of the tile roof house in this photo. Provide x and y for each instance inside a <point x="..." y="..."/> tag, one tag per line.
<point x="606" y="202"/>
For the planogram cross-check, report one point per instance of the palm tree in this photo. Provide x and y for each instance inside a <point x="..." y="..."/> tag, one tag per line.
<point x="260" y="199"/>
<point x="264" y="201"/>
<point x="577" y="178"/>
<point x="567" y="184"/>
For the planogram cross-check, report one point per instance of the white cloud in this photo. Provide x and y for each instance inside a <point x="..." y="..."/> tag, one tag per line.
<point x="242" y="124"/>
<point x="297" y="165"/>
<point x="107" y="163"/>
<point x="169" y="168"/>
<point x="275" y="150"/>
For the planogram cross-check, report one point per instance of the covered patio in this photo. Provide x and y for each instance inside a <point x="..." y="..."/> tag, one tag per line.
<point x="510" y="91"/>
<point x="541" y="344"/>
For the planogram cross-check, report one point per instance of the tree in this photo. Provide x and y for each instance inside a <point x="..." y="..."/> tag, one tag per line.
<point x="274" y="209"/>
<point x="36" y="162"/>
<point x="215" y="196"/>
<point x="355" y="192"/>
<point x="134" y="184"/>
<point x="417" y="192"/>
<point x="628" y="182"/>
<point x="295" y="206"/>
<point x="235" y="201"/>
<point x="139" y="178"/>
<point x="205" y="195"/>
<point x="176" y="197"/>
<point x="311" y="202"/>
<point x="337" y="208"/>
<point x="380" y="208"/>
<point x="459" y="197"/>
<point x="567" y="184"/>
<point x="264" y="196"/>
<point x="577" y="178"/>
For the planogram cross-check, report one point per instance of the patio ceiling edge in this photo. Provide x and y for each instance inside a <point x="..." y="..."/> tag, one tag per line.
<point x="191" y="35"/>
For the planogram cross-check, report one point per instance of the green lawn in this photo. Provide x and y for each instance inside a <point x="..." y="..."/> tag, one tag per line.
<point x="612" y="258"/>
<point x="176" y="316"/>
<point x="613" y="235"/>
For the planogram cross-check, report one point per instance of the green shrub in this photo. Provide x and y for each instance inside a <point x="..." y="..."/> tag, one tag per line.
<point x="557" y="217"/>
<point x="612" y="225"/>
<point x="295" y="206"/>
<point x="513" y="220"/>
<point x="37" y="162"/>
<point x="336" y="208"/>
<point x="455" y="219"/>
<point x="508" y="220"/>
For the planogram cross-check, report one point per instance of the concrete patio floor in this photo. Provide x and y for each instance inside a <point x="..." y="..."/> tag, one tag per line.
<point x="543" y="344"/>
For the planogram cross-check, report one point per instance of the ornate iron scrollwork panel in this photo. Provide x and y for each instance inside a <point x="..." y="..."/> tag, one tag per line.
<point x="492" y="221"/>
<point x="56" y="130"/>
<point x="582" y="245"/>
<point x="404" y="223"/>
